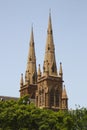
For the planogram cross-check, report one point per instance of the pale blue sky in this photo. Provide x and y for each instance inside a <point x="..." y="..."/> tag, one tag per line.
<point x="69" y="21"/>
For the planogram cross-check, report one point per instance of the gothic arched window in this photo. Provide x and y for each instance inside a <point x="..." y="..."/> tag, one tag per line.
<point x="52" y="97"/>
<point x="57" y="97"/>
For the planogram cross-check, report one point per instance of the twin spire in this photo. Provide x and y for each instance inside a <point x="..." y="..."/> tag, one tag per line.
<point x="47" y="87"/>
<point x="49" y="65"/>
<point x="49" y="60"/>
<point x="31" y="72"/>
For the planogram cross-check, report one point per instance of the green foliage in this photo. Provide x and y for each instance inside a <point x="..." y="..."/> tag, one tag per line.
<point x="19" y="115"/>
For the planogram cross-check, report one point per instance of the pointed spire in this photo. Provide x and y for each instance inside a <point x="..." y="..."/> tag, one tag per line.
<point x="49" y="24"/>
<point x="60" y="71"/>
<point x="31" y="55"/>
<point x="31" y="63"/>
<point x="64" y="94"/>
<point x="39" y="71"/>
<point x="21" y="81"/>
<point x="64" y="99"/>
<point x="32" y="36"/>
<point x="49" y="59"/>
<point x="49" y="40"/>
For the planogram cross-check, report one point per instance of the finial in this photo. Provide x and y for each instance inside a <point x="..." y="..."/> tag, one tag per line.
<point x="21" y="81"/>
<point x="39" y="71"/>
<point x="21" y="76"/>
<point x="61" y="71"/>
<point x="32" y="36"/>
<point x="50" y="11"/>
<point x="49" y="24"/>
<point x="60" y="63"/>
<point x="50" y="15"/>
<point x="32" y="26"/>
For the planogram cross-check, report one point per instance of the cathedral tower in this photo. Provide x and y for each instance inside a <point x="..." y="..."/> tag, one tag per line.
<point x="31" y="73"/>
<point x="50" y="84"/>
<point x="46" y="87"/>
<point x="30" y="84"/>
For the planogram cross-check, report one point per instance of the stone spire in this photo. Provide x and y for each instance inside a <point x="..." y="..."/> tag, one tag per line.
<point x="64" y="94"/>
<point x="31" y="72"/>
<point x="49" y="59"/>
<point x="64" y="99"/>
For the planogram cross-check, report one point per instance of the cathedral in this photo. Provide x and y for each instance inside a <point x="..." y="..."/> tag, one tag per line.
<point x="45" y="87"/>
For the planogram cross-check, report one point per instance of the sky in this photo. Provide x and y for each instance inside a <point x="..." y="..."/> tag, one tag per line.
<point x="69" y="22"/>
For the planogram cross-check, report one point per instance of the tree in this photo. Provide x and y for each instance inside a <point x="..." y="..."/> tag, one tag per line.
<point x="20" y="115"/>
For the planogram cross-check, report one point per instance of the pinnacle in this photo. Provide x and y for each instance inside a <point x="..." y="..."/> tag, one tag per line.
<point x="64" y="94"/>
<point x="39" y="70"/>
<point x="60" y="71"/>
<point x="21" y="81"/>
